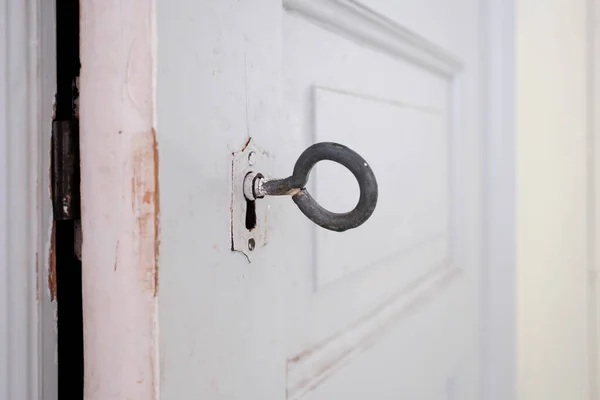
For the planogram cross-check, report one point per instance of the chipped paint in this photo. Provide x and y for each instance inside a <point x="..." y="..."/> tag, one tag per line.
<point x="156" y="204"/>
<point x="52" y="283"/>
<point x="146" y="207"/>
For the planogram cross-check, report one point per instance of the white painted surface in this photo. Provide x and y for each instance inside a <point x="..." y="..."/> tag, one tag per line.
<point x="221" y="319"/>
<point x="385" y="311"/>
<point x="556" y="201"/>
<point x="413" y="149"/>
<point x="28" y="367"/>
<point x="413" y="226"/>
<point x="119" y="200"/>
<point x="593" y="131"/>
<point x="233" y="330"/>
<point x="499" y="278"/>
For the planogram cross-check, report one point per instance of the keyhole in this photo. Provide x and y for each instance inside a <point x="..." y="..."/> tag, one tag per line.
<point x="250" y="214"/>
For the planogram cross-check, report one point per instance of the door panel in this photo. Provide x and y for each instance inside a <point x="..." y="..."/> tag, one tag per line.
<point x="402" y="357"/>
<point x="407" y="147"/>
<point x="353" y="76"/>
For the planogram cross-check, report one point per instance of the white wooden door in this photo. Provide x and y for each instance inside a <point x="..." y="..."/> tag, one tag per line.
<point x="389" y="310"/>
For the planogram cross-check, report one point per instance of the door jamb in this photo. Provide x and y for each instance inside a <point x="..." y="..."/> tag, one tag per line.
<point x="28" y="368"/>
<point x="498" y="284"/>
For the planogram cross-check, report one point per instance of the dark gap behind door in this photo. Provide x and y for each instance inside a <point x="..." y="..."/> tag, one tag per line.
<point x="68" y="266"/>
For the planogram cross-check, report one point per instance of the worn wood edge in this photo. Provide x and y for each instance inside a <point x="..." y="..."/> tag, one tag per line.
<point x="120" y="200"/>
<point x="357" y="22"/>
<point x="309" y="369"/>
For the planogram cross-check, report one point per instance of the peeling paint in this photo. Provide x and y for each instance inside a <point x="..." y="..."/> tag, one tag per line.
<point x="146" y="206"/>
<point x="52" y="283"/>
<point x="156" y="210"/>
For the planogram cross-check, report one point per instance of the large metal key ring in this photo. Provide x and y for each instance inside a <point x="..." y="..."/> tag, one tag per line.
<point x="256" y="186"/>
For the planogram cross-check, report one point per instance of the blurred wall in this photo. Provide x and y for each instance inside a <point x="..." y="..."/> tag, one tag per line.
<point x="556" y="299"/>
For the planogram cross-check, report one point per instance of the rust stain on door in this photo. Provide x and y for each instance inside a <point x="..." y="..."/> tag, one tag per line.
<point x="145" y="204"/>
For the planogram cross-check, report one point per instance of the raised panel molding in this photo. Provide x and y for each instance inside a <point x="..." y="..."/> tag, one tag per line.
<point x="312" y="367"/>
<point x="415" y="157"/>
<point x="356" y="22"/>
<point x="361" y="24"/>
<point x="434" y="269"/>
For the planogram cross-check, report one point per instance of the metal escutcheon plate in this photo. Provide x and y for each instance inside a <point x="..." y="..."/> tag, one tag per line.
<point x="247" y="241"/>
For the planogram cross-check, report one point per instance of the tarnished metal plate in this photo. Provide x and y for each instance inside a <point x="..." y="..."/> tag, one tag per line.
<point x="248" y="233"/>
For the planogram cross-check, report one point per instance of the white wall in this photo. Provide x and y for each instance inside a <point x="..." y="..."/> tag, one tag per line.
<point x="553" y="322"/>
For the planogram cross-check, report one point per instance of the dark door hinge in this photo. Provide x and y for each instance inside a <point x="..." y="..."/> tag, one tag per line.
<point x="65" y="170"/>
